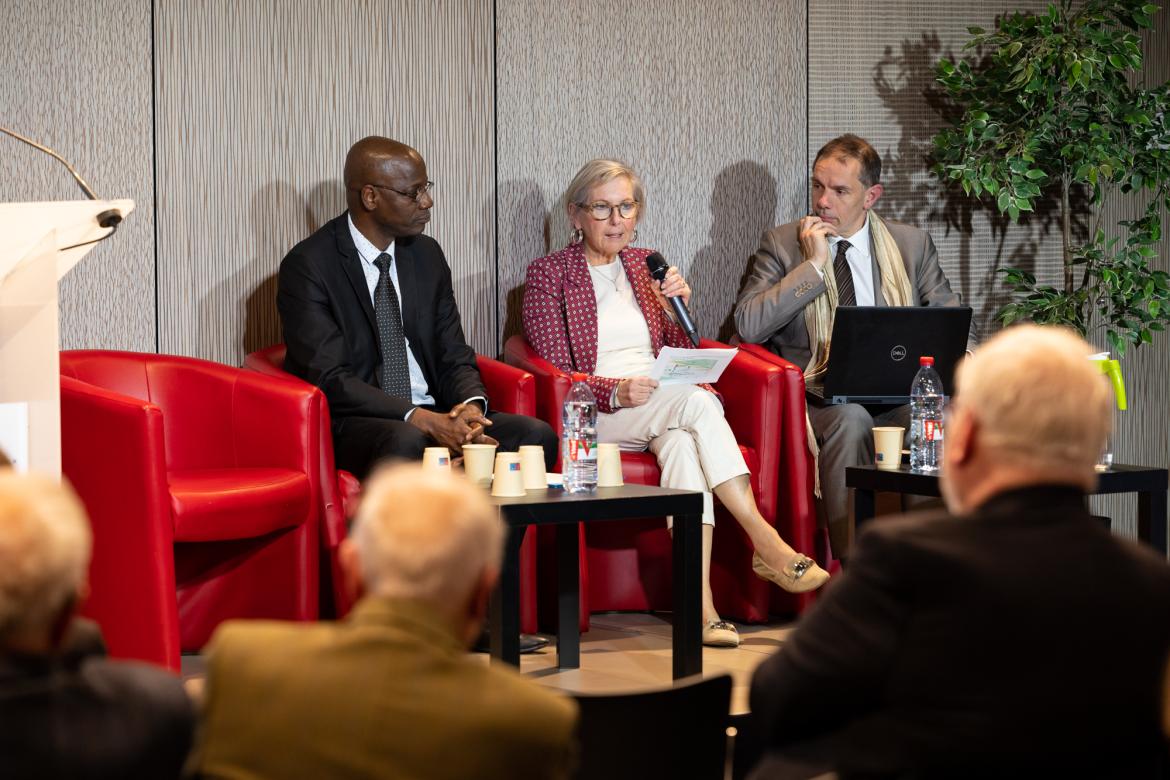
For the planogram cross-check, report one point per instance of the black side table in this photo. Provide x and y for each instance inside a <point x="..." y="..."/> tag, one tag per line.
<point x="564" y="510"/>
<point x="1149" y="483"/>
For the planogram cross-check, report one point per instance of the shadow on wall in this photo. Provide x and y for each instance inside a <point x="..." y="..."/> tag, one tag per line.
<point x="524" y="235"/>
<point x="905" y="81"/>
<point x="242" y="308"/>
<point x="743" y="205"/>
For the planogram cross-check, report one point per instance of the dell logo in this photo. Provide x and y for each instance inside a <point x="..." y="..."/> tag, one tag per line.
<point x="898" y="353"/>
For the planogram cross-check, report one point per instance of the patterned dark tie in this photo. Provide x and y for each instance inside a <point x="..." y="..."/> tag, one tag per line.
<point x="845" y="293"/>
<point x="395" y="371"/>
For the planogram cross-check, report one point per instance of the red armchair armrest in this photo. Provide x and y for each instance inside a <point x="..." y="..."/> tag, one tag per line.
<point x="509" y="389"/>
<point x="106" y="438"/>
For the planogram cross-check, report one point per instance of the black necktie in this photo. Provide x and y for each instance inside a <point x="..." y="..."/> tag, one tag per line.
<point x="845" y="294"/>
<point x="395" y="371"/>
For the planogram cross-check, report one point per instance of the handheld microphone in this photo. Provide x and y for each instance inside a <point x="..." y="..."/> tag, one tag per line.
<point x="658" y="268"/>
<point x="107" y="219"/>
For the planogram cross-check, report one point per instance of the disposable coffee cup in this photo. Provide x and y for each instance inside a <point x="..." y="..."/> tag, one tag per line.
<point x="887" y="445"/>
<point x="478" y="460"/>
<point x="532" y="467"/>
<point x="437" y="458"/>
<point x="508" y="479"/>
<point x="609" y="465"/>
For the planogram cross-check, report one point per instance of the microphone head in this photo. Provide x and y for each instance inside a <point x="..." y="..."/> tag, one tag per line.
<point x="657" y="265"/>
<point x="109" y="218"/>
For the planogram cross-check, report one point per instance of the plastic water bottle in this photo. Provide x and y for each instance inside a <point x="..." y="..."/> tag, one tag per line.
<point x="926" y="418"/>
<point x="579" y="439"/>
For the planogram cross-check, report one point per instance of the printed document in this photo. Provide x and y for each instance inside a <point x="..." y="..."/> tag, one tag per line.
<point x="676" y="366"/>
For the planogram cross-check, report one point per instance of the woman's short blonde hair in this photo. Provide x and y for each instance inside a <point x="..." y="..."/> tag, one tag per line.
<point x="598" y="172"/>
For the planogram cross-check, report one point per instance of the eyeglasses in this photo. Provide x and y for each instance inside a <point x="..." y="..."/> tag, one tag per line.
<point x="601" y="211"/>
<point x="416" y="196"/>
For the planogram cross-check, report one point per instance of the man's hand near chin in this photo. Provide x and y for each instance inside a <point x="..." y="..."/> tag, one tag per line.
<point x="464" y="424"/>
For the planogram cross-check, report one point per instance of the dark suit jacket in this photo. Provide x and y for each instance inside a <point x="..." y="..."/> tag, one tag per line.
<point x="770" y="308"/>
<point x="81" y="716"/>
<point x="1022" y="638"/>
<point x="387" y="693"/>
<point x="332" y="338"/>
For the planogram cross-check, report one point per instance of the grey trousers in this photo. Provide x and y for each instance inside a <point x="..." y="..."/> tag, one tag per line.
<point x="845" y="435"/>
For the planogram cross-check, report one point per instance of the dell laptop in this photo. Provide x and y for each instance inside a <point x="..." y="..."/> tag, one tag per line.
<point x="873" y="356"/>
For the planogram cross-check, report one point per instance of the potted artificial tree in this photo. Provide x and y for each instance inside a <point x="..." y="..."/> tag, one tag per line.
<point x="1049" y="107"/>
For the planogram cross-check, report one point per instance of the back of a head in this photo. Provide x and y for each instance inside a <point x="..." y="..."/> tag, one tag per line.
<point x="1039" y="401"/>
<point x="44" y="552"/>
<point x="426" y="536"/>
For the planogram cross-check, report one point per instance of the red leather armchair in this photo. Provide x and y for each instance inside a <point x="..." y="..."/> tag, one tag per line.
<point x="201" y="485"/>
<point x="510" y="390"/>
<point x="797" y="468"/>
<point x="629" y="564"/>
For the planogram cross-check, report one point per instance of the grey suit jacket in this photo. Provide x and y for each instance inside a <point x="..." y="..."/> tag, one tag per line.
<point x="770" y="309"/>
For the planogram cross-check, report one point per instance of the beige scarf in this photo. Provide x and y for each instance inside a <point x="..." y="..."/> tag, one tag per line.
<point x="818" y="315"/>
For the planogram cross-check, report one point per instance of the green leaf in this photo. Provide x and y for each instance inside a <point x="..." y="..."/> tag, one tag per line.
<point x="976" y="30"/>
<point x="1036" y="173"/>
<point x="1004" y="199"/>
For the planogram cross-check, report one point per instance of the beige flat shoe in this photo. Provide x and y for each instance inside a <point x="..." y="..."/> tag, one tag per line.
<point x="720" y="633"/>
<point x="801" y="576"/>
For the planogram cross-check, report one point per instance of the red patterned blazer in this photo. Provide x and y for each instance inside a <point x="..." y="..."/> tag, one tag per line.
<point x="560" y="314"/>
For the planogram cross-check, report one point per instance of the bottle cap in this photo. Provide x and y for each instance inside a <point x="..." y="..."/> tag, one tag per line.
<point x="926" y="360"/>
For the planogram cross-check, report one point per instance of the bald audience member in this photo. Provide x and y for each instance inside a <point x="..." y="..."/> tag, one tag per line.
<point x="390" y="692"/>
<point x="369" y="316"/>
<point x="64" y="710"/>
<point x="1013" y="638"/>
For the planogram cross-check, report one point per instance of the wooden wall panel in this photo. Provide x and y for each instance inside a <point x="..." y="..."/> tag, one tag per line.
<point x="706" y="101"/>
<point x="77" y="78"/>
<point x="257" y="105"/>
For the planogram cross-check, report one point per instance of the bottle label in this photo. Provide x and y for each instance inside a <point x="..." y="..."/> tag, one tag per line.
<point x="580" y="449"/>
<point x="932" y="430"/>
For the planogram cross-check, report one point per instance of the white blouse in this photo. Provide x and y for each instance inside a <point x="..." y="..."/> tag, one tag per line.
<point x="623" y="338"/>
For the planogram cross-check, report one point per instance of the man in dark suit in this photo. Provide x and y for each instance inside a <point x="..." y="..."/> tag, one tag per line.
<point x="1014" y="638"/>
<point x="842" y="254"/>
<point x="65" y="711"/>
<point x="369" y="316"/>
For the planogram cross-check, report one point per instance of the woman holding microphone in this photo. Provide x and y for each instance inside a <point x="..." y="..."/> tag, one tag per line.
<point x="593" y="308"/>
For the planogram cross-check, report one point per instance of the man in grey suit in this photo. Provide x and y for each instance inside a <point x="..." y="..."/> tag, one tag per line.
<point x="843" y="254"/>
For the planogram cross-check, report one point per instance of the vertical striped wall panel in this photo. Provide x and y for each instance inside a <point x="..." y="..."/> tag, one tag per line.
<point x="76" y="78"/>
<point x="706" y="101"/>
<point x="871" y="72"/>
<point x="1142" y="434"/>
<point x="257" y="104"/>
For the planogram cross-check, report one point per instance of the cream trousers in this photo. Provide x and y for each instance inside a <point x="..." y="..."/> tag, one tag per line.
<point x="683" y="425"/>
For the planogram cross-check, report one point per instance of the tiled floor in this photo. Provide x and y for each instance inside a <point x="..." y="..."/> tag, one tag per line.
<point x="624" y="652"/>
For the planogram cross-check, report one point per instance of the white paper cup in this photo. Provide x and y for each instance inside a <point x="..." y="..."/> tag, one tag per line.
<point x="478" y="460"/>
<point x="532" y="467"/>
<point x="609" y="465"/>
<point x="437" y="458"/>
<point x="508" y="479"/>
<point x="887" y="446"/>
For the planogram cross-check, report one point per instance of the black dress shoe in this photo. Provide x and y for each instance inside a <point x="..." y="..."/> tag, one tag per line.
<point x="529" y="643"/>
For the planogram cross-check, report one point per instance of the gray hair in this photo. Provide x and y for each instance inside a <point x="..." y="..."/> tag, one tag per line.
<point x="1038" y="399"/>
<point x="597" y="172"/>
<point x="425" y="535"/>
<point x="45" y="546"/>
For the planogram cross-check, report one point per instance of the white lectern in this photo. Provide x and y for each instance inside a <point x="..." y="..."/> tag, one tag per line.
<point x="31" y="264"/>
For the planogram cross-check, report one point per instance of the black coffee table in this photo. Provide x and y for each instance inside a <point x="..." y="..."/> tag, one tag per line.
<point x="1148" y="482"/>
<point x="556" y="507"/>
